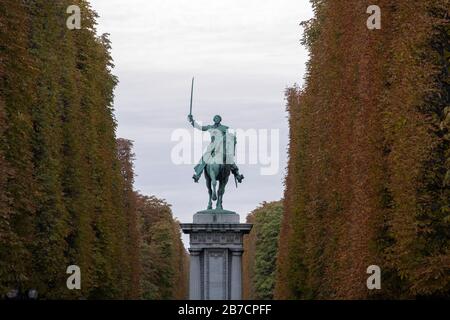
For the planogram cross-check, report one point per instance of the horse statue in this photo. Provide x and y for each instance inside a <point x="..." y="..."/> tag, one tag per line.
<point x="217" y="163"/>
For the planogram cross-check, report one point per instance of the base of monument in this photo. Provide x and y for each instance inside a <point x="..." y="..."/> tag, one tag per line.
<point x="216" y="247"/>
<point x="216" y="211"/>
<point x="216" y="216"/>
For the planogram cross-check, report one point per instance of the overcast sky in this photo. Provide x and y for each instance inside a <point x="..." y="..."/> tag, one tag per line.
<point x="243" y="53"/>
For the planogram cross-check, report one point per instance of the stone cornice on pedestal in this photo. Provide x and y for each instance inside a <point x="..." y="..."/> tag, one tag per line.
<point x="221" y="227"/>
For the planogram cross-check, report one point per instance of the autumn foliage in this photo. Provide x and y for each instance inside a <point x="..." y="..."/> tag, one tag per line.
<point x="260" y="251"/>
<point x="66" y="184"/>
<point x="368" y="178"/>
<point x="164" y="259"/>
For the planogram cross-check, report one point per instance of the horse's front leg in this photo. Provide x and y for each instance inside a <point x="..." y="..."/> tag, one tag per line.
<point x="221" y="192"/>
<point x="214" y="188"/>
<point x="210" y="201"/>
<point x="213" y="173"/>
<point x="220" y="197"/>
<point x="208" y="185"/>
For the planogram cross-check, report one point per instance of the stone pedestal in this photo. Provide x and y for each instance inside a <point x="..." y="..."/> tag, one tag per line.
<point x="216" y="247"/>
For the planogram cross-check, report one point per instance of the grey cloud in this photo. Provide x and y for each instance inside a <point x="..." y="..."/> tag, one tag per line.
<point x="244" y="53"/>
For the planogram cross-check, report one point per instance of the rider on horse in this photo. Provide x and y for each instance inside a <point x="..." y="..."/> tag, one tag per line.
<point x="210" y="153"/>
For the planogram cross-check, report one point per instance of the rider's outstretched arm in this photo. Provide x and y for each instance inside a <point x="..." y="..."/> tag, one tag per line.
<point x="196" y="125"/>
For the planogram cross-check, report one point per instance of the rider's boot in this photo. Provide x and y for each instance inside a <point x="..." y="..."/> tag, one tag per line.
<point x="196" y="177"/>
<point x="235" y="171"/>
